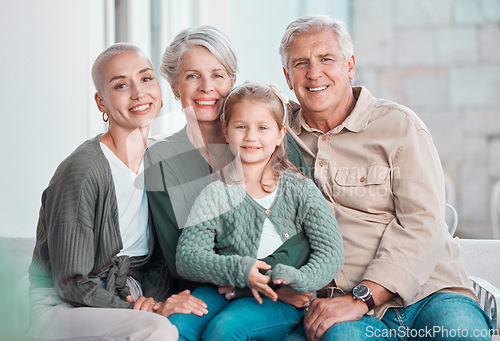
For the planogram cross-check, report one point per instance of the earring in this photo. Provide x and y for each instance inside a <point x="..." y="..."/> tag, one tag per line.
<point x="105" y="117"/>
<point x="177" y="96"/>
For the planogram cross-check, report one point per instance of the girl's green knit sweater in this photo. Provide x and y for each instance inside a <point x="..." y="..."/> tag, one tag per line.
<point x="220" y="243"/>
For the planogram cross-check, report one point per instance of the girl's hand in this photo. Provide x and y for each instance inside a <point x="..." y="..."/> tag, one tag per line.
<point x="143" y="303"/>
<point x="259" y="282"/>
<point x="182" y="303"/>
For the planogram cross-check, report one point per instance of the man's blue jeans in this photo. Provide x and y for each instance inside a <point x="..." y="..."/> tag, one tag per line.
<point x="242" y="319"/>
<point x="441" y="316"/>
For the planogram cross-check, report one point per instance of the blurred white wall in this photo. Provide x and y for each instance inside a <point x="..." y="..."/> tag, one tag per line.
<point x="46" y="92"/>
<point x="44" y="96"/>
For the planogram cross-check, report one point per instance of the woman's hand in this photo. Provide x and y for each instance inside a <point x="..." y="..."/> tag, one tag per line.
<point x="182" y="303"/>
<point x="298" y="300"/>
<point x="144" y="303"/>
<point x="228" y="292"/>
<point x="259" y="282"/>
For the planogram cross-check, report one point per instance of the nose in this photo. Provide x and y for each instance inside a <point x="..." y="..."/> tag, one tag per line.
<point x="314" y="71"/>
<point x="250" y="134"/>
<point x="206" y="84"/>
<point x="138" y="92"/>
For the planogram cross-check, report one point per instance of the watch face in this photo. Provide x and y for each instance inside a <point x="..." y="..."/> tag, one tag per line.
<point x="360" y="291"/>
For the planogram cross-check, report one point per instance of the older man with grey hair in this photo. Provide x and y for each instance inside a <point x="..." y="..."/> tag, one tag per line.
<point x="375" y="162"/>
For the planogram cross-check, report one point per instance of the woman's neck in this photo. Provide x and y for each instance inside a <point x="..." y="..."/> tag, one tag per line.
<point x="203" y="134"/>
<point x="209" y="139"/>
<point x="128" y="146"/>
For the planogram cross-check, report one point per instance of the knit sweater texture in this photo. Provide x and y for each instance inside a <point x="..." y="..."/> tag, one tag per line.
<point x="175" y="174"/>
<point x="78" y="238"/>
<point x="220" y="243"/>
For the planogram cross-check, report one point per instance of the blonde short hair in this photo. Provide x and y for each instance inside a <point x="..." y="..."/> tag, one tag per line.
<point x="105" y="56"/>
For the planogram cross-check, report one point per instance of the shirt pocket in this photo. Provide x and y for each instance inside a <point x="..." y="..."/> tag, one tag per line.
<point x="366" y="189"/>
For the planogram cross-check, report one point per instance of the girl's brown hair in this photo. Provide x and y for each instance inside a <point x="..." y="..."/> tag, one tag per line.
<point x="272" y="98"/>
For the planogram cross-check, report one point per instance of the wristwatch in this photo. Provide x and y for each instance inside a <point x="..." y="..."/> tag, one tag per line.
<point x="362" y="292"/>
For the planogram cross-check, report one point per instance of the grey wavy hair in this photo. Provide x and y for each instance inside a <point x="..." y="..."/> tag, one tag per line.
<point x="209" y="37"/>
<point x="106" y="55"/>
<point x="308" y="24"/>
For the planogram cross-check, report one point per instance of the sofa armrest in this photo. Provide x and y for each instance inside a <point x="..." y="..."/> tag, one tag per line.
<point x="489" y="297"/>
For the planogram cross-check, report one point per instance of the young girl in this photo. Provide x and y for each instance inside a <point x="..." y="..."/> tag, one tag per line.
<point x="259" y="202"/>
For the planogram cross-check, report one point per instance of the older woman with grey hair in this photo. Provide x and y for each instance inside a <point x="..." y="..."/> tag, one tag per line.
<point x="201" y="67"/>
<point x="94" y="265"/>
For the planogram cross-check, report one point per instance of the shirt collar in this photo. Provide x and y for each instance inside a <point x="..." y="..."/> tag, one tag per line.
<point x="356" y="122"/>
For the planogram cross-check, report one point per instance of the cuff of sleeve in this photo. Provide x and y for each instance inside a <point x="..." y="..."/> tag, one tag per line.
<point x="246" y="266"/>
<point x="394" y="278"/>
<point x="283" y="272"/>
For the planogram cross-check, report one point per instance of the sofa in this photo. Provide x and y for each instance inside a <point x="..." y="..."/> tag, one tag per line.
<point x="481" y="258"/>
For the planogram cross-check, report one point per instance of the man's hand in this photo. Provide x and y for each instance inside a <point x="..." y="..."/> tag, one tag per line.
<point x="325" y="312"/>
<point x="298" y="300"/>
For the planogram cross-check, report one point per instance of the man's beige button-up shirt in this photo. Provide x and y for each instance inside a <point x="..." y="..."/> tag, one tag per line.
<point x="381" y="174"/>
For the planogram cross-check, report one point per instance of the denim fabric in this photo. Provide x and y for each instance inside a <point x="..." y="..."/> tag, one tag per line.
<point x="245" y="319"/>
<point x="190" y="326"/>
<point x="242" y="319"/>
<point x="441" y="316"/>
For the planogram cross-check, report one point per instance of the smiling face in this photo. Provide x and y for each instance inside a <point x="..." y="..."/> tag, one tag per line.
<point x="319" y="74"/>
<point x="203" y="83"/>
<point x="252" y="132"/>
<point x="130" y="94"/>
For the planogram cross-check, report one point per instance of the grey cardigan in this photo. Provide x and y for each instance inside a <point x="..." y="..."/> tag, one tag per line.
<point x="78" y="238"/>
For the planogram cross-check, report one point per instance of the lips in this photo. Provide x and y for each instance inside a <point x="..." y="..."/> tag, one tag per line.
<point x="319" y="88"/>
<point x="139" y="108"/>
<point x="206" y="102"/>
<point x="250" y="148"/>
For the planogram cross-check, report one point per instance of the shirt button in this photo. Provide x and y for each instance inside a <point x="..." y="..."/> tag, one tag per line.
<point x="324" y="138"/>
<point x="268" y="211"/>
<point x="362" y="179"/>
<point x="287" y="235"/>
<point x="321" y="163"/>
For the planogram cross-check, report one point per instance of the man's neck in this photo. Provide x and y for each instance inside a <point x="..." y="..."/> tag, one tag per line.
<point x="329" y="119"/>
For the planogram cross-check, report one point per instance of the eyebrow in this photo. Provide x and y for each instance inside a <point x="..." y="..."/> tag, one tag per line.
<point x="299" y="59"/>
<point x="213" y="70"/>
<point x="146" y="69"/>
<point x="319" y="55"/>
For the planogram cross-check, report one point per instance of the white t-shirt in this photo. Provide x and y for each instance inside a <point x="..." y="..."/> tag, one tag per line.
<point x="132" y="205"/>
<point x="270" y="239"/>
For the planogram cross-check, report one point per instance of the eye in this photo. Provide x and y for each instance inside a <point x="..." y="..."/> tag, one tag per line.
<point x="240" y="126"/>
<point x="262" y="128"/>
<point x="219" y="75"/>
<point x="120" y="86"/>
<point x="192" y="76"/>
<point x="148" y="79"/>
<point x="326" y="60"/>
<point x="300" y="64"/>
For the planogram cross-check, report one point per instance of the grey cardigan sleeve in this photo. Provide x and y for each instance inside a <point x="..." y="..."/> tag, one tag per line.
<point x="73" y="246"/>
<point x="78" y="236"/>
<point x="196" y="256"/>
<point x="327" y="250"/>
